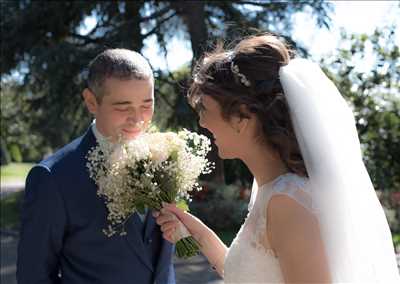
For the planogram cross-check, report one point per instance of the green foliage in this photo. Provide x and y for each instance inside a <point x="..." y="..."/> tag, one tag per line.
<point x="10" y="211"/>
<point x="391" y="202"/>
<point x="374" y="95"/>
<point x="49" y="55"/>
<point x="227" y="236"/>
<point x="221" y="207"/>
<point x="171" y="109"/>
<point x="4" y="154"/>
<point x="16" y="120"/>
<point x="396" y="241"/>
<point x="234" y="169"/>
<point x="15" y="153"/>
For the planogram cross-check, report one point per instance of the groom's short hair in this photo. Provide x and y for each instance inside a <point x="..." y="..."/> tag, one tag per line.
<point x="123" y="64"/>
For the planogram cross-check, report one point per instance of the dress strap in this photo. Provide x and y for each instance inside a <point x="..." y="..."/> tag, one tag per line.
<point x="295" y="187"/>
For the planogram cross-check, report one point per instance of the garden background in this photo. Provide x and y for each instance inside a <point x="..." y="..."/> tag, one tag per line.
<point x="46" y="47"/>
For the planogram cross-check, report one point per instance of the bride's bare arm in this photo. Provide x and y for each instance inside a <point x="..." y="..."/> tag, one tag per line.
<point x="210" y="244"/>
<point x="295" y="236"/>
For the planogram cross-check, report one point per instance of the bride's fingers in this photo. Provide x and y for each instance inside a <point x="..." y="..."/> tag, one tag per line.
<point x="171" y="208"/>
<point x="168" y="238"/>
<point x="169" y="226"/>
<point x="164" y="217"/>
<point x="170" y="232"/>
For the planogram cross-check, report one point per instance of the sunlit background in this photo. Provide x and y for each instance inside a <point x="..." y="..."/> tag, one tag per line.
<point x="45" y="49"/>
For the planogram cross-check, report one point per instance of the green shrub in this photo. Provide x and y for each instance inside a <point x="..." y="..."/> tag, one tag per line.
<point x="15" y="153"/>
<point x="396" y="242"/>
<point x="10" y="207"/>
<point x="4" y="155"/>
<point x="390" y="202"/>
<point x="220" y="207"/>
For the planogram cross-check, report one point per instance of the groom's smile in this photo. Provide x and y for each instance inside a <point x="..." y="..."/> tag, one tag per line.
<point x="126" y="108"/>
<point x="132" y="132"/>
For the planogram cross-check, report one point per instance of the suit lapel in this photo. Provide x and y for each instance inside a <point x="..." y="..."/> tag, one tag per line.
<point x="133" y="226"/>
<point x="149" y="225"/>
<point x="135" y="239"/>
<point x="165" y="257"/>
<point x="88" y="141"/>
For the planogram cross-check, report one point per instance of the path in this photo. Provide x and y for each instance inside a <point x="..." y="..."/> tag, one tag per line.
<point x="195" y="270"/>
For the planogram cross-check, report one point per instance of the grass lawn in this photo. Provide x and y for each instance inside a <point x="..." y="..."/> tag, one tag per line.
<point x="15" y="171"/>
<point x="10" y="211"/>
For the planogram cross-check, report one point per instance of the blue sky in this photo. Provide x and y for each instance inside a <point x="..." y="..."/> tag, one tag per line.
<point x="353" y="16"/>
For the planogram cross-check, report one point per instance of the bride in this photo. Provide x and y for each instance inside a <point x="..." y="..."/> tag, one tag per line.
<point x="313" y="214"/>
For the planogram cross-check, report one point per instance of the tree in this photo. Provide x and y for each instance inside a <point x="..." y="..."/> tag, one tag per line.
<point x="4" y="155"/>
<point x="16" y="124"/>
<point x="50" y="53"/>
<point x="375" y="98"/>
<point x="206" y="22"/>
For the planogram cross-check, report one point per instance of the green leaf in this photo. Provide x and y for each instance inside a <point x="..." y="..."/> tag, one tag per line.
<point x="181" y="204"/>
<point x="141" y="208"/>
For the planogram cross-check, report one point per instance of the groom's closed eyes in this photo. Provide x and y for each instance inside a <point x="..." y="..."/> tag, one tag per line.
<point x="127" y="105"/>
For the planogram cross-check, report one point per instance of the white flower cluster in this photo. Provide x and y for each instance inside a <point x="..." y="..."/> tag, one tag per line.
<point x="154" y="168"/>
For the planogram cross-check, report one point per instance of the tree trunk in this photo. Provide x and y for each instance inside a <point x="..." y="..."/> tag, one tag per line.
<point x="131" y="30"/>
<point x="193" y="16"/>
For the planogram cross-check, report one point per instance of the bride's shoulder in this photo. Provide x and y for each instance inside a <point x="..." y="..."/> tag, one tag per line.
<point x="289" y="183"/>
<point x="292" y="188"/>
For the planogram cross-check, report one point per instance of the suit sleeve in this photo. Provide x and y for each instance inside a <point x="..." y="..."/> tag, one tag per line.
<point x="43" y="222"/>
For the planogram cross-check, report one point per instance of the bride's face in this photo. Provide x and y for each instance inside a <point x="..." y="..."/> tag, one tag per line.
<point x="125" y="109"/>
<point x="224" y="132"/>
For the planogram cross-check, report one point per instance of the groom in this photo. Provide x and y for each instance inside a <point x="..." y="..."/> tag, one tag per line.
<point x="61" y="238"/>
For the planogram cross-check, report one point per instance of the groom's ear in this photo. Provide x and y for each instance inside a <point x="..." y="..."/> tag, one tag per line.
<point x="90" y="100"/>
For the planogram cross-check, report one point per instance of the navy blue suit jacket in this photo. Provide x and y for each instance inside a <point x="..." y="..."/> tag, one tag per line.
<point x="61" y="237"/>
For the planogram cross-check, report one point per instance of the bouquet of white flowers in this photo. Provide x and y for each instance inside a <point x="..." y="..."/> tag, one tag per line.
<point x="147" y="171"/>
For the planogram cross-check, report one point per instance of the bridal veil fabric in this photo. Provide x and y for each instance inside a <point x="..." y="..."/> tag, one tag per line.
<point x="353" y="225"/>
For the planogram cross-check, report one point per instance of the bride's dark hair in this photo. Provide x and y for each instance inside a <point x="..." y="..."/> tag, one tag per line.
<point x="248" y="75"/>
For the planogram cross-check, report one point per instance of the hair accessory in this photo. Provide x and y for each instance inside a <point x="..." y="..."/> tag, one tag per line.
<point x="242" y="77"/>
<point x="235" y="70"/>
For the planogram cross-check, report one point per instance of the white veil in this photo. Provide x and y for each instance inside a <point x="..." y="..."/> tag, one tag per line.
<point x="354" y="228"/>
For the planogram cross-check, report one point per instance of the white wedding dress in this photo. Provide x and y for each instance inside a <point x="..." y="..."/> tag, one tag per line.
<point x="339" y="192"/>
<point x="250" y="258"/>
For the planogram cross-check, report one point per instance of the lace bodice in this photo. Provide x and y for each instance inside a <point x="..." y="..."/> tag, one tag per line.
<point x="250" y="258"/>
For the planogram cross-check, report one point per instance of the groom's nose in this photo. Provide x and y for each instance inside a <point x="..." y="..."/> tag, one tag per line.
<point x="135" y="116"/>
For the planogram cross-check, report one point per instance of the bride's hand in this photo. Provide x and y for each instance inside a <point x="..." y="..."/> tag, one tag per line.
<point x="168" y="223"/>
<point x="175" y="223"/>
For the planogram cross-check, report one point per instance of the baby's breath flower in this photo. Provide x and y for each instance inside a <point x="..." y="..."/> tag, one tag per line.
<point x="154" y="168"/>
